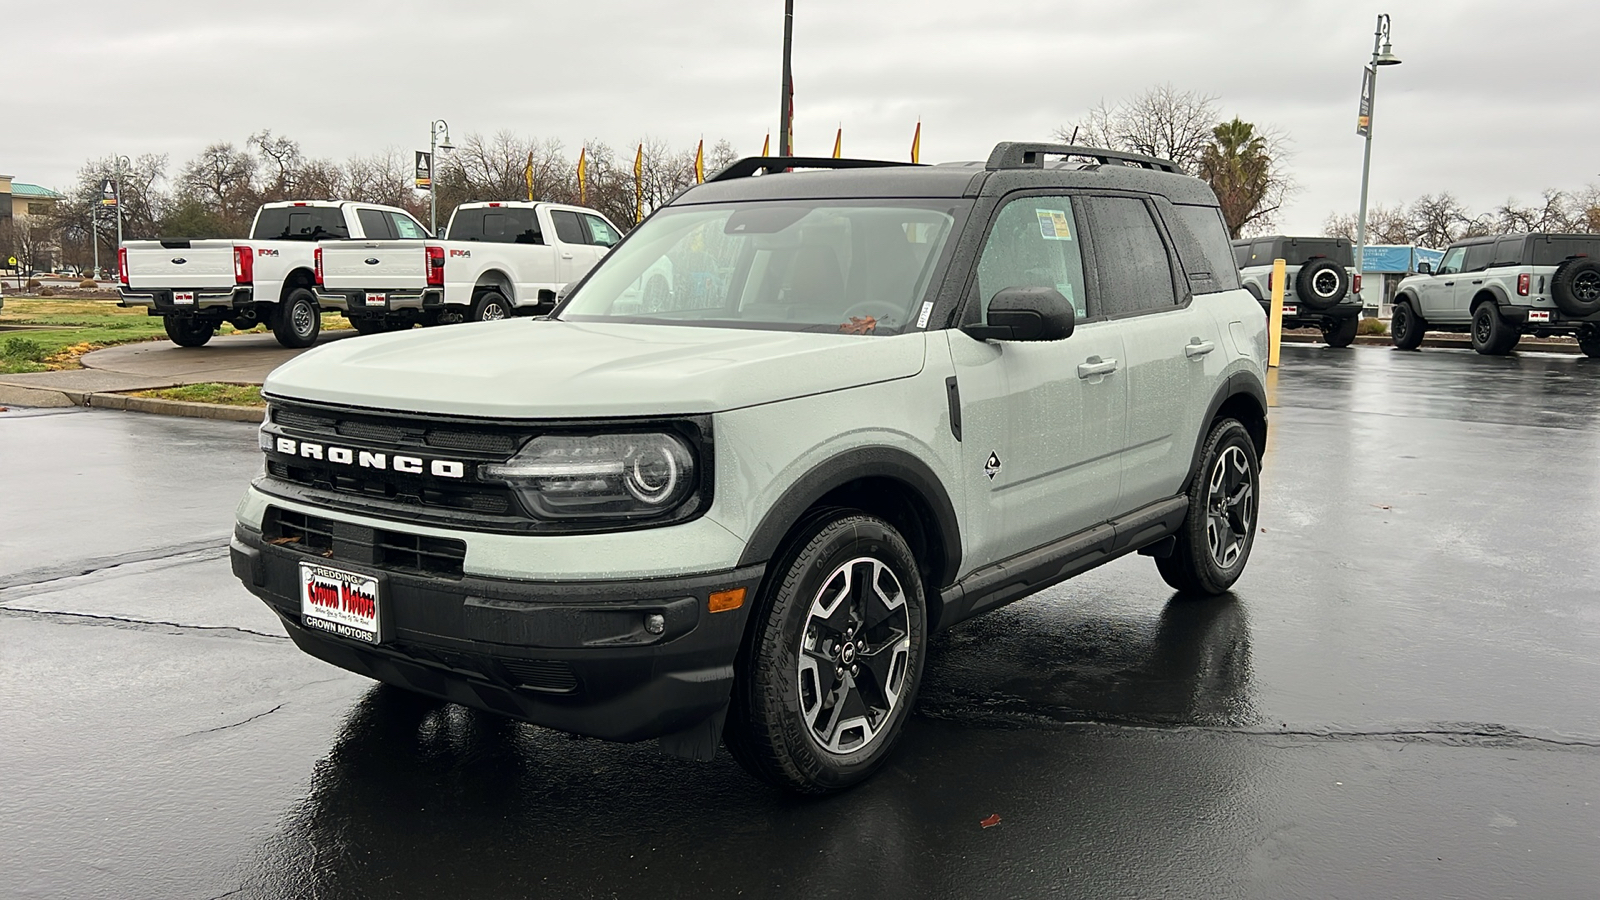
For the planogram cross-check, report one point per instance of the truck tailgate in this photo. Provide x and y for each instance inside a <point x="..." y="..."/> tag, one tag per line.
<point x="180" y="264"/>
<point x="374" y="265"/>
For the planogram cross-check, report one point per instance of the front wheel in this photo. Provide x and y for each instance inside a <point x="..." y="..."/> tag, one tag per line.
<point x="188" y="332"/>
<point x="1406" y="328"/>
<point x="1214" y="542"/>
<point x="297" y="322"/>
<point x="834" y="659"/>
<point x="1341" y="333"/>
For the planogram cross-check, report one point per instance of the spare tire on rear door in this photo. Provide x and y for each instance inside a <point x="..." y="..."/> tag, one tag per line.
<point x="1576" y="286"/>
<point x="1322" y="283"/>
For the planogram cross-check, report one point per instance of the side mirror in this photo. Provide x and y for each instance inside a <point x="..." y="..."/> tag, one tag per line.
<point x="1425" y="268"/>
<point x="1026" y="314"/>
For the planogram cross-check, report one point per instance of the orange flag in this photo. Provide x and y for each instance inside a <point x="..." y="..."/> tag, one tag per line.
<point x="700" y="162"/>
<point x="766" y="145"/>
<point x="916" y="144"/>
<point x="583" y="176"/>
<point x="838" y="142"/>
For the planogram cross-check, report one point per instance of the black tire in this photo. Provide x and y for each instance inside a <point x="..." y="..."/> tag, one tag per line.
<point x="1576" y="286"/>
<point x="492" y="306"/>
<point x="1589" y="341"/>
<point x="1341" y="333"/>
<point x="1214" y="542"/>
<point x="297" y="321"/>
<point x="369" y="325"/>
<point x="783" y="689"/>
<point x="186" y="331"/>
<point x="1322" y="283"/>
<point x="1406" y="328"/>
<point x="1491" y="335"/>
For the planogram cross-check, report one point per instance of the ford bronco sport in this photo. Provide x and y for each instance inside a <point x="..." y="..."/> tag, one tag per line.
<point x="1498" y="289"/>
<point x="881" y="400"/>
<point x="1322" y="289"/>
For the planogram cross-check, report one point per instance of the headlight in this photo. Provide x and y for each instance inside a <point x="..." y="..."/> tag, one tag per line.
<point x="630" y="476"/>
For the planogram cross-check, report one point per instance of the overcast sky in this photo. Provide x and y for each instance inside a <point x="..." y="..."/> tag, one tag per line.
<point x="1494" y="99"/>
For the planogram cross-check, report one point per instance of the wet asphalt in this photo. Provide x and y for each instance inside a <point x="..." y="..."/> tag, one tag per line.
<point x="1397" y="700"/>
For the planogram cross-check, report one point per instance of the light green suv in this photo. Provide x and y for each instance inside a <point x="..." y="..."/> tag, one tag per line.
<point x="877" y="399"/>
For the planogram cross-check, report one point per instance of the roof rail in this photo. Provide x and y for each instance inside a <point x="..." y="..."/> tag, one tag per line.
<point x="750" y="165"/>
<point x="1024" y="155"/>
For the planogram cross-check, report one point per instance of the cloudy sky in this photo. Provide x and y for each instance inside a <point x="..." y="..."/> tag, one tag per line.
<point x="1494" y="99"/>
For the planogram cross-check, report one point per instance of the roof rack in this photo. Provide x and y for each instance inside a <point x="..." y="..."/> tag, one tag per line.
<point x="1023" y="155"/>
<point x="750" y="165"/>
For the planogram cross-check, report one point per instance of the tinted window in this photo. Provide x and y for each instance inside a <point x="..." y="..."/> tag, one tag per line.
<point x="374" y="224"/>
<point x="1033" y="244"/>
<point x="1508" y="251"/>
<point x="568" y="228"/>
<point x="1241" y="254"/>
<point x="1478" y="257"/>
<point x="1553" y="250"/>
<point x="1208" y="261"/>
<point x="600" y="232"/>
<point x="1130" y="258"/>
<point x="1262" y="253"/>
<point x="496" y="225"/>
<point x="1298" y="251"/>
<point x="406" y="227"/>
<point x="300" y="223"/>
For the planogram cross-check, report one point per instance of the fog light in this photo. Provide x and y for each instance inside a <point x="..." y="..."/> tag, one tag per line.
<point x="655" y="623"/>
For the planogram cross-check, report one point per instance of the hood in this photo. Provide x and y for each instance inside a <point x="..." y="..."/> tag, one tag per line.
<point x="527" y="368"/>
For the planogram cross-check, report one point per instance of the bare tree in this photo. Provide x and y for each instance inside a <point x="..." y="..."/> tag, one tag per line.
<point x="222" y="179"/>
<point x="1163" y="122"/>
<point x="1385" y="225"/>
<point x="29" y="241"/>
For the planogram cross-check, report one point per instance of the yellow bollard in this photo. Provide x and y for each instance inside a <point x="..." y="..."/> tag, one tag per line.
<point x="1275" y="319"/>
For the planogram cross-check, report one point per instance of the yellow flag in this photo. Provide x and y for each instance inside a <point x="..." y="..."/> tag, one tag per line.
<point x="916" y="144"/>
<point x="838" y="142"/>
<point x="638" y="185"/>
<point x="700" y="163"/>
<point x="766" y="145"/>
<point x="583" y="176"/>
<point x="527" y="174"/>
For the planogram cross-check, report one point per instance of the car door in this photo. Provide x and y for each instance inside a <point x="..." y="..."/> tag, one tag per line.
<point x="574" y="257"/>
<point x="1042" y="423"/>
<point x="1438" y="292"/>
<point x="1476" y="262"/>
<point x="1166" y="343"/>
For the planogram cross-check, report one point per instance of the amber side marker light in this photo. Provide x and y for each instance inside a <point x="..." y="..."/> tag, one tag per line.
<point x="722" y="601"/>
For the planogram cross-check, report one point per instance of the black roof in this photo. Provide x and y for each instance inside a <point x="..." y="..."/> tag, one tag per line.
<point x="1010" y="167"/>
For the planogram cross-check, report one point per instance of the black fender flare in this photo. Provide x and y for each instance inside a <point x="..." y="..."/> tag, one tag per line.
<point x="1409" y="299"/>
<point x="862" y="462"/>
<point x="1497" y="296"/>
<point x="1240" y="384"/>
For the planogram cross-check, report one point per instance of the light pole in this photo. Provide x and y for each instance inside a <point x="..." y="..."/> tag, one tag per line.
<point x="437" y="129"/>
<point x="123" y="165"/>
<point x="786" y="103"/>
<point x="1382" y="55"/>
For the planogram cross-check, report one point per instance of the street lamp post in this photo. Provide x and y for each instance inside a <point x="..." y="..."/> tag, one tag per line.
<point x="1382" y="55"/>
<point x="123" y="165"/>
<point x="437" y="129"/>
<point x="786" y="103"/>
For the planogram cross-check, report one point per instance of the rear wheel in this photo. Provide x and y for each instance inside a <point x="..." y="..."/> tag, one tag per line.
<point x="1341" y="333"/>
<point x="491" y="307"/>
<point x="1406" y="328"/>
<point x="186" y="331"/>
<point x="831" y="670"/>
<point x="1214" y="542"/>
<point x="297" y="322"/>
<point x="1589" y="341"/>
<point x="1491" y="335"/>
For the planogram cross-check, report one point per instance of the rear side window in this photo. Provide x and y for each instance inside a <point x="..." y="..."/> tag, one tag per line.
<point x="374" y="224"/>
<point x="1241" y="254"/>
<point x="1553" y="250"/>
<point x="1203" y="247"/>
<point x="568" y="228"/>
<point x="1262" y="253"/>
<point x="1478" y="257"/>
<point x="405" y="227"/>
<point x="300" y="223"/>
<point x="1508" y="251"/>
<point x="600" y="232"/>
<point x="509" y="225"/>
<point x="1135" y="273"/>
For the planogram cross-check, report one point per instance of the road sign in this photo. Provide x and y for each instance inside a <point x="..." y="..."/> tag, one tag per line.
<point x="424" y="170"/>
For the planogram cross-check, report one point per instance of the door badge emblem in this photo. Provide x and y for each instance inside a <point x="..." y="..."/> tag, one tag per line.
<point x="992" y="466"/>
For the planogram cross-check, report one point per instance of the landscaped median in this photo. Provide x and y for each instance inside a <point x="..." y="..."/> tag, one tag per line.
<point x="230" y="402"/>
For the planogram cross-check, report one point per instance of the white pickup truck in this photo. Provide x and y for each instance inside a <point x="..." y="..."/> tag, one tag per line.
<point x="196" y="285"/>
<point x="499" y="260"/>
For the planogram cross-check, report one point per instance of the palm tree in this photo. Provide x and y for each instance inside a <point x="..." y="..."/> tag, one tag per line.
<point x="1238" y="165"/>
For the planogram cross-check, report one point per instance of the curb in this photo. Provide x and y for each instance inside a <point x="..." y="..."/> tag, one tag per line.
<point x="1448" y="343"/>
<point x="176" y="408"/>
<point x="12" y="395"/>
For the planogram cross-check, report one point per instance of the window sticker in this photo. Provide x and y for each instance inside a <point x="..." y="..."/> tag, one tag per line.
<point x="1053" y="224"/>
<point x="927" y="310"/>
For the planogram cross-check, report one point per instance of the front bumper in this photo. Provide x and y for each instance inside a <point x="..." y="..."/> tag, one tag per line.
<point x="160" y="302"/>
<point x="575" y="656"/>
<point x="363" y="302"/>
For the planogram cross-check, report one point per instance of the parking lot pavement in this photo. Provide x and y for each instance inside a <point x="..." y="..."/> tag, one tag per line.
<point x="1395" y="701"/>
<point x="236" y="359"/>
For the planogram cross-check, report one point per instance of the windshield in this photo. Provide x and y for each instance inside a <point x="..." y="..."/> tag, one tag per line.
<point x="790" y="266"/>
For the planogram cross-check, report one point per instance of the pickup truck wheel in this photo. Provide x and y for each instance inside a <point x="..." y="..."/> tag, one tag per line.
<point x="1589" y="341"/>
<point x="297" y="321"/>
<point x="1491" y="336"/>
<point x="1322" y="283"/>
<point x="1406" y="328"/>
<point x="1214" y="541"/>
<point x="188" y="332"/>
<point x="1576" y="286"/>
<point x="491" y="307"/>
<point x="1341" y="333"/>
<point x="830" y="670"/>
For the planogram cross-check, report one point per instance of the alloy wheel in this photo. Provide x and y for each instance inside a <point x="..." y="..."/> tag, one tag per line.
<point x="854" y="648"/>
<point x="1326" y="283"/>
<point x="1230" y="507"/>
<point x="1586" y="287"/>
<point x="493" y="312"/>
<point x="1482" y="327"/>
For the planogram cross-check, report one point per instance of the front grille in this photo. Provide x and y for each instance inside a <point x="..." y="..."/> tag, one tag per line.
<point x="397" y="551"/>
<point x="491" y="499"/>
<point x="541" y="675"/>
<point x="488" y="442"/>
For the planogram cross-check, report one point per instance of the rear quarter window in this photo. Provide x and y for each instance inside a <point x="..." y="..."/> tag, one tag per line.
<point x="1508" y="251"/>
<point x="1553" y="250"/>
<point x="1203" y="248"/>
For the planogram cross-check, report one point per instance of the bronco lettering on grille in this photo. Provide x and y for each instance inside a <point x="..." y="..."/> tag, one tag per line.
<point x="367" y="459"/>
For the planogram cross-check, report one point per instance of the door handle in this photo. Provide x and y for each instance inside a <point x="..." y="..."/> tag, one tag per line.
<point x="1196" y="348"/>
<point x="1479" y="281"/>
<point x="1096" y="366"/>
<point x="1449" y="284"/>
<point x="566" y="256"/>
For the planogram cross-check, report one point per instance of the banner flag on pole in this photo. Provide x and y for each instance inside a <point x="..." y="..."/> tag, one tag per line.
<point x="1364" y="118"/>
<point x="700" y="162"/>
<point x="766" y="145"/>
<point x="424" y="171"/>
<point x="638" y="185"/>
<point x="838" y="142"/>
<point x="583" y="176"/>
<point x="916" y="144"/>
<point x="527" y="175"/>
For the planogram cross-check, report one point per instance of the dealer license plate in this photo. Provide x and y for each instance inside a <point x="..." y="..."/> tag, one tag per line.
<point x="183" y="297"/>
<point x="339" y="602"/>
<point x="377" y="299"/>
<point x="1291" y="310"/>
